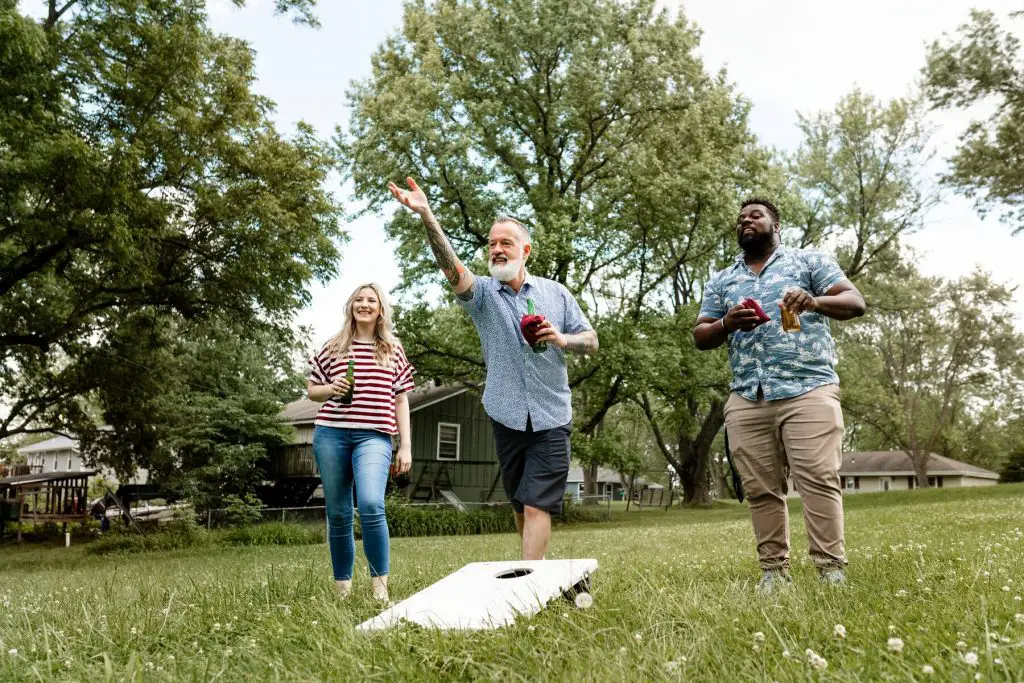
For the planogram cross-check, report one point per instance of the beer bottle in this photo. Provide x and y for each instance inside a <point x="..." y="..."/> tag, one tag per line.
<point x="346" y="398"/>
<point x="539" y="347"/>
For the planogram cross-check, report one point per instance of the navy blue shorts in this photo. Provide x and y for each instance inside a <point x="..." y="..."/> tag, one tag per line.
<point x="534" y="465"/>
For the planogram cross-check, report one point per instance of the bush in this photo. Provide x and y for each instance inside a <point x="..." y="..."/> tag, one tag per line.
<point x="427" y="520"/>
<point x="172" y="536"/>
<point x="242" y="511"/>
<point x="577" y="513"/>
<point x="274" y="533"/>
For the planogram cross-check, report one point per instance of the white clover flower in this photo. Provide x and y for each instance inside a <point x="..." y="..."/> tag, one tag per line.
<point x="1006" y="589"/>
<point x="13" y="651"/>
<point x="977" y="676"/>
<point x="961" y="645"/>
<point x="927" y="669"/>
<point x="839" y="630"/>
<point x="671" y="667"/>
<point x="638" y="637"/>
<point x="785" y="654"/>
<point x="997" y="661"/>
<point x="1019" y="618"/>
<point x="758" y="637"/>
<point x="971" y="659"/>
<point x="901" y="593"/>
<point x="819" y="662"/>
<point x="895" y="645"/>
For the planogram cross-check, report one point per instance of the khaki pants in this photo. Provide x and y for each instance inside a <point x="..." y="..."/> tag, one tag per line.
<point x="802" y="434"/>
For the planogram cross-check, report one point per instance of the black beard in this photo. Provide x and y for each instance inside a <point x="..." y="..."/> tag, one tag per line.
<point x="755" y="244"/>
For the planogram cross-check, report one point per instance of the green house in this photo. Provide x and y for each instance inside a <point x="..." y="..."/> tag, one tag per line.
<point x="453" y="456"/>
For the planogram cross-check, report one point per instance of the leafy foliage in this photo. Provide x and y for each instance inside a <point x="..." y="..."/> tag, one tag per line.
<point x="981" y="65"/>
<point x="145" y="192"/>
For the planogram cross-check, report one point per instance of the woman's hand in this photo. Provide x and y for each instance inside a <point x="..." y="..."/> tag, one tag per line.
<point x="403" y="460"/>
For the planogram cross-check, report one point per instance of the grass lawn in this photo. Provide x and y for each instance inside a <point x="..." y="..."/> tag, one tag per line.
<point x="943" y="571"/>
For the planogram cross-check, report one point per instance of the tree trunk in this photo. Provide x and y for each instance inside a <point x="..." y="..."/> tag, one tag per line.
<point x="920" y="469"/>
<point x="590" y="479"/>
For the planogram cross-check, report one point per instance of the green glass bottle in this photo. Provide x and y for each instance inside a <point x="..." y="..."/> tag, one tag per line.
<point x="539" y="347"/>
<point x="350" y="375"/>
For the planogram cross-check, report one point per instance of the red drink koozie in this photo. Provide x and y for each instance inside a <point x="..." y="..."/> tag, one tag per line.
<point x="752" y="304"/>
<point x="529" y="325"/>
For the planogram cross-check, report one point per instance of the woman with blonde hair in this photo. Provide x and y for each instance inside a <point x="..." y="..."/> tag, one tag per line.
<point x="352" y="436"/>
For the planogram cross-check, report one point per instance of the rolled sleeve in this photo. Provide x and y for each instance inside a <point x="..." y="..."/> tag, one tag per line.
<point x="575" y="320"/>
<point x="317" y="373"/>
<point x="825" y="273"/>
<point x="712" y="306"/>
<point x="473" y="305"/>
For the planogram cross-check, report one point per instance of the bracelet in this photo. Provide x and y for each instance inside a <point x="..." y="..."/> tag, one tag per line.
<point x="727" y="330"/>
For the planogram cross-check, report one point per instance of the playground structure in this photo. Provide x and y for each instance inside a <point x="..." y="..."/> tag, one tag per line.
<point x="44" y="497"/>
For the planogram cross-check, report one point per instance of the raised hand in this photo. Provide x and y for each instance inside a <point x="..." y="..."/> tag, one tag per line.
<point x="413" y="198"/>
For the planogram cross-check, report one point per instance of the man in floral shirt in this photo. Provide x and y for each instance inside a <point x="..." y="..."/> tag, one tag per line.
<point x="783" y="413"/>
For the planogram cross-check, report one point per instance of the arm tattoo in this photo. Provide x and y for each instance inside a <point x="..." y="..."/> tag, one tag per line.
<point x="584" y="342"/>
<point x="444" y="255"/>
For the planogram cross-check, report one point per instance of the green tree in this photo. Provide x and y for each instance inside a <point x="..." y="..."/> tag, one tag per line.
<point x="197" y="407"/>
<point x="144" y="188"/>
<point x="981" y="65"/>
<point x="858" y="173"/>
<point x="595" y="122"/>
<point x="929" y="350"/>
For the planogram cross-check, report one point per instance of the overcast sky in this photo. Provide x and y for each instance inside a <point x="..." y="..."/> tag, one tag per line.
<point x="784" y="56"/>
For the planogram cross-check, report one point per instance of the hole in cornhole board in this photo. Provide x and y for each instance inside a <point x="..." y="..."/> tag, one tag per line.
<point x="517" y="573"/>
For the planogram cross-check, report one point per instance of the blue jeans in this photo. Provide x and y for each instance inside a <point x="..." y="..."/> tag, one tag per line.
<point x="360" y="456"/>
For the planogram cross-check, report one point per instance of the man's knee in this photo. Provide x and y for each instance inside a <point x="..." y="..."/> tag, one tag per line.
<point x="532" y="513"/>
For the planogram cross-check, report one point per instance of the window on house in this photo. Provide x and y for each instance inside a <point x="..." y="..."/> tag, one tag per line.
<point x="448" y="440"/>
<point x="886" y="483"/>
<point x="851" y="483"/>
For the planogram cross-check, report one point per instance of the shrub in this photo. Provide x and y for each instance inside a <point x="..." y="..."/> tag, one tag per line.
<point x="274" y="533"/>
<point x="241" y="511"/>
<point x="171" y="536"/>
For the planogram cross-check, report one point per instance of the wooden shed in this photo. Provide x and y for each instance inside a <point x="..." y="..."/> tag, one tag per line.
<point x="453" y="455"/>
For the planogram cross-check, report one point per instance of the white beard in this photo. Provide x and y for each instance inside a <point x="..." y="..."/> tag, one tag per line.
<point x="505" y="272"/>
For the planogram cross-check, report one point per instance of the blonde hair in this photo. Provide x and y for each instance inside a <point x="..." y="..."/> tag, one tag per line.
<point x="384" y="340"/>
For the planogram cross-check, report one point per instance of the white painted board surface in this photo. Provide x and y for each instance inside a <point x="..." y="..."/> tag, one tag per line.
<point x="475" y="598"/>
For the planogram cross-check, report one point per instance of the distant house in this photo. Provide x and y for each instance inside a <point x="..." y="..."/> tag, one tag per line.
<point x="868" y="471"/>
<point x="893" y="470"/>
<point x="453" y="455"/>
<point x="61" y="454"/>
<point x="609" y="483"/>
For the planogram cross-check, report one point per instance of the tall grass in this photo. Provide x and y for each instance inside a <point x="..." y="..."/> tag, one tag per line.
<point x="943" y="572"/>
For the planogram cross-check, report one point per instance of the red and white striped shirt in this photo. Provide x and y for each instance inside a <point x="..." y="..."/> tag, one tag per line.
<point x="373" y="401"/>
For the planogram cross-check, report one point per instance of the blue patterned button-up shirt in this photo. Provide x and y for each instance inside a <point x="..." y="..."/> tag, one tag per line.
<point x="522" y="383"/>
<point x="783" y="364"/>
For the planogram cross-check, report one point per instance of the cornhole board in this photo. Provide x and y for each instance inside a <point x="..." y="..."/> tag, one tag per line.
<point x="486" y="595"/>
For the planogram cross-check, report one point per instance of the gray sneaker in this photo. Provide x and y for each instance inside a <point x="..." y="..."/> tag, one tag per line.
<point x="834" y="576"/>
<point x="773" y="580"/>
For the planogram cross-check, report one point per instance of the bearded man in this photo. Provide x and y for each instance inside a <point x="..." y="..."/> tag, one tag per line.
<point x="783" y="414"/>
<point x="527" y="393"/>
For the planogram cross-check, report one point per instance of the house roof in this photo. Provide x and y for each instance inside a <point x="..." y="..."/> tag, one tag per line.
<point x="888" y="463"/>
<point x="39" y="478"/>
<point x="57" y="443"/>
<point x="604" y="475"/>
<point x="303" y="411"/>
